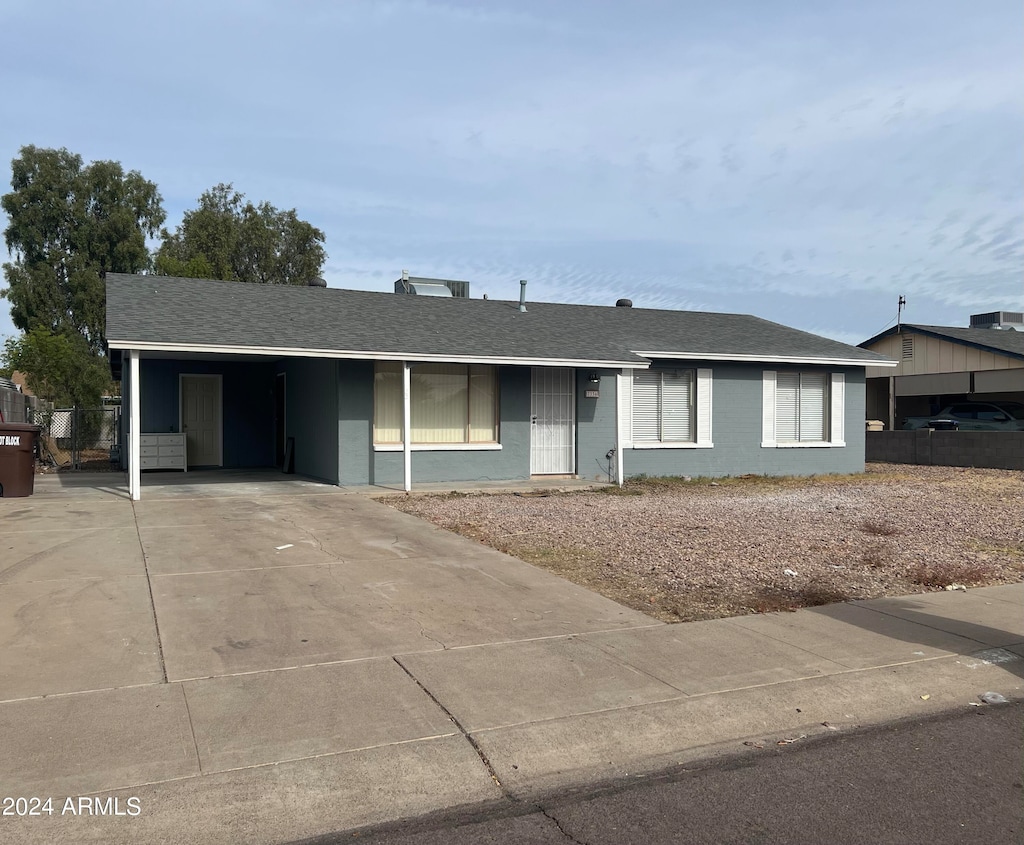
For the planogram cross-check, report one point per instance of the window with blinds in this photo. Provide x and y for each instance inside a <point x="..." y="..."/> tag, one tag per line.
<point x="450" y="403"/>
<point x="801" y="407"/>
<point x="663" y="406"/>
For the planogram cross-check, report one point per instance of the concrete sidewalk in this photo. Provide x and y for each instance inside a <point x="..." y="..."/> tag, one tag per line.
<point x="173" y="654"/>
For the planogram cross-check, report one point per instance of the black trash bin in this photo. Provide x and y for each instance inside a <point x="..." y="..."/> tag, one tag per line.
<point x="944" y="425"/>
<point x="17" y="459"/>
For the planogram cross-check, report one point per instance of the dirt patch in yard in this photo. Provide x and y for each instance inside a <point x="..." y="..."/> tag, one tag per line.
<point x="700" y="549"/>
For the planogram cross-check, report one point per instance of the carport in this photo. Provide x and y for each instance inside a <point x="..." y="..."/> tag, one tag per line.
<point x="262" y="412"/>
<point x="230" y="412"/>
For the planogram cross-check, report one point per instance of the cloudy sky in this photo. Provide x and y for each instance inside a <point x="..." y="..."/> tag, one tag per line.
<point x="805" y="161"/>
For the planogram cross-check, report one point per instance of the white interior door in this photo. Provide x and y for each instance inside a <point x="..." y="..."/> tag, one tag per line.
<point x="201" y="420"/>
<point x="553" y="422"/>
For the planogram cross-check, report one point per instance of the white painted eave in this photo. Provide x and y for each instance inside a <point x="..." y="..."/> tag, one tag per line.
<point x="298" y="352"/>
<point x="771" y="359"/>
<point x="288" y="352"/>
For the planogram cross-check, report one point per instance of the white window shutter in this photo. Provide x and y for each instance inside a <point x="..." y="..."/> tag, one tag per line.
<point x="787" y="407"/>
<point x="768" y="407"/>
<point x="677" y="406"/>
<point x="813" y="410"/>
<point x="625" y="386"/>
<point x="646" y="406"/>
<point x="704" y="407"/>
<point x="838" y="411"/>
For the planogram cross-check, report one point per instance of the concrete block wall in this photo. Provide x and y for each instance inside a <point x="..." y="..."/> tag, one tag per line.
<point x="15" y="406"/>
<point x="990" y="449"/>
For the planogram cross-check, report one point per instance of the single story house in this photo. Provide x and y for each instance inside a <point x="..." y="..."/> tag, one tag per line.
<point x="938" y="366"/>
<point x="356" y="388"/>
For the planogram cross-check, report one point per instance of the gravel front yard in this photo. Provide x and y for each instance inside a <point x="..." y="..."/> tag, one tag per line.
<point x="708" y="548"/>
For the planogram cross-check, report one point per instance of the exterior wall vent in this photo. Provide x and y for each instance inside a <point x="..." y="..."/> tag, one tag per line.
<point x="908" y="347"/>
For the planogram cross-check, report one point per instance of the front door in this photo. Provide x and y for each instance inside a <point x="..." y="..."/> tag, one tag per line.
<point x="201" y="420"/>
<point x="553" y="422"/>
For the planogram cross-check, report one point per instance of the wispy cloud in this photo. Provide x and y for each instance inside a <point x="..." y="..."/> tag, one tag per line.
<point x="808" y="163"/>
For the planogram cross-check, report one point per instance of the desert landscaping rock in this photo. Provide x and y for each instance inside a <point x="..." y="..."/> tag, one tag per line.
<point x="686" y="550"/>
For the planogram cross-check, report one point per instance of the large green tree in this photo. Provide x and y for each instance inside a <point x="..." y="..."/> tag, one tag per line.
<point x="68" y="224"/>
<point x="227" y="237"/>
<point x="59" y="367"/>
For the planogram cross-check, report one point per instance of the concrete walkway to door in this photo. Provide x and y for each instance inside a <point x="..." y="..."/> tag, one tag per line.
<point x="271" y="659"/>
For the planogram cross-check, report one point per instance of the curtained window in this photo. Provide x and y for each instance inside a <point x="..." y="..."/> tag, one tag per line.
<point x="450" y="403"/>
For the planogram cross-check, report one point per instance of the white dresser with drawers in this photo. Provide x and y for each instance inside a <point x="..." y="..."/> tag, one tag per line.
<point x="163" y="451"/>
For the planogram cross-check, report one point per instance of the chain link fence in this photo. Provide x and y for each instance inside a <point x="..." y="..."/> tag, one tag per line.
<point x="80" y="438"/>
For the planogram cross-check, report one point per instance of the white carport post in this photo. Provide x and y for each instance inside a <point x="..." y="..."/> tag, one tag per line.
<point x="134" y="426"/>
<point x="407" y="425"/>
<point x="619" y="411"/>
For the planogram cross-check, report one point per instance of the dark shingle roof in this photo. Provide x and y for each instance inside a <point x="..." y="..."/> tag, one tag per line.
<point x="165" y="310"/>
<point x="1000" y="341"/>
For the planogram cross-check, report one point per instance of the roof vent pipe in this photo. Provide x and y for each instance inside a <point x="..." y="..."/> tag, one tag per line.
<point x="522" y="294"/>
<point x="624" y="303"/>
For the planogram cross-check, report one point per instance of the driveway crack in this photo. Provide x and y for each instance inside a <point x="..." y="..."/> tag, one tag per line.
<point x="378" y="590"/>
<point x="152" y="603"/>
<point x="317" y="543"/>
<point x="469" y="737"/>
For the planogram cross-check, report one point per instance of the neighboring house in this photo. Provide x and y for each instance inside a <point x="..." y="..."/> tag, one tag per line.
<point x="363" y="388"/>
<point x="940" y="365"/>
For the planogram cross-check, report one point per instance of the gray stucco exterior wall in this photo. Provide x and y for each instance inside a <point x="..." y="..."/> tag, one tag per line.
<point x="311" y="392"/>
<point x="360" y="464"/>
<point x="330" y="416"/>
<point x="355" y="422"/>
<point x="595" y="425"/>
<point x="247" y="401"/>
<point x="736" y="433"/>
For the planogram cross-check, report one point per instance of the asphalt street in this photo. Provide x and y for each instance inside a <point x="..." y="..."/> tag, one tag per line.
<point x="952" y="779"/>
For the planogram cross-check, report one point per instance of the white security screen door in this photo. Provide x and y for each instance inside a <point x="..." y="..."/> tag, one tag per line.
<point x="201" y="419"/>
<point x="553" y="422"/>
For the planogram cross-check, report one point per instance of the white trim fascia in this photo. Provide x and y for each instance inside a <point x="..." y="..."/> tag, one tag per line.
<point x="769" y="359"/>
<point x="438" y="447"/>
<point x="290" y="352"/>
<point x="667" y="445"/>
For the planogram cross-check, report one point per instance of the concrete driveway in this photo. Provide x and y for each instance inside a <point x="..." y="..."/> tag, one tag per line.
<point x="224" y="627"/>
<point x="100" y="593"/>
<point x="264" y="659"/>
